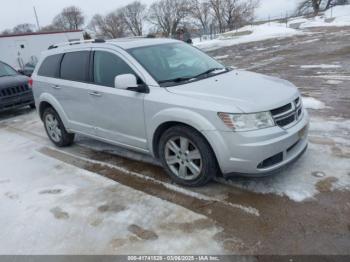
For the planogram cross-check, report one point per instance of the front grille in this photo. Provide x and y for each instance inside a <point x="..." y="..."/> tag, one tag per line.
<point x="289" y="114"/>
<point x="12" y="91"/>
<point x="286" y="121"/>
<point x="281" y="109"/>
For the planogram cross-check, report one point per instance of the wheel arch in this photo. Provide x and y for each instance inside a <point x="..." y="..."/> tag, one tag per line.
<point x="47" y="100"/>
<point x="173" y="117"/>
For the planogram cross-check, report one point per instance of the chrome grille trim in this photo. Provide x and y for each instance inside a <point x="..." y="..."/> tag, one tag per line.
<point x="289" y="117"/>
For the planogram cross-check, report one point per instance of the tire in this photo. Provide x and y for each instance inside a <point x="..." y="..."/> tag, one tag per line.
<point x="186" y="167"/>
<point x="55" y="129"/>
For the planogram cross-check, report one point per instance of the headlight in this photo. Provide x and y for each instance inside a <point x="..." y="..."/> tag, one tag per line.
<point x="247" y="122"/>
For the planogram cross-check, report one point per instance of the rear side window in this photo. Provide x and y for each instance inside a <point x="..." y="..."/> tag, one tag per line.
<point x="50" y="66"/>
<point x="107" y="66"/>
<point x="75" y="65"/>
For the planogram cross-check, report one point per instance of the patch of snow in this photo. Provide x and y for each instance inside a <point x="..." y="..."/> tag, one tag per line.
<point x="261" y="49"/>
<point x="323" y="66"/>
<point x="310" y="41"/>
<point x="312" y="103"/>
<point x="339" y="127"/>
<point x="221" y="57"/>
<point x="49" y="207"/>
<point x="258" y="33"/>
<point x="332" y="77"/>
<point x="334" y="82"/>
<point x="247" y="209"/>
<point x="337" y="16"/>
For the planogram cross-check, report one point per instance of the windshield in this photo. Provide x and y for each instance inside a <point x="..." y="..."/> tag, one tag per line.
<point x="175" y="62"/>
<point x="6" y="70"/>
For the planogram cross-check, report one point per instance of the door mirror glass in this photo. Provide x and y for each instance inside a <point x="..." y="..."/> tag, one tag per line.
<point x="125" y="81"/>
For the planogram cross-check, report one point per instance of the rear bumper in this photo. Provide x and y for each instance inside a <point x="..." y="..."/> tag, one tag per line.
<point x="260" y="152"/>
<point x="16" y="101"/>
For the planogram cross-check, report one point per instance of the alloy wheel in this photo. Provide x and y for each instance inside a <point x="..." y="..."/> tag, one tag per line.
<point x="183" y="158"/>
<point x="53" y="128"/>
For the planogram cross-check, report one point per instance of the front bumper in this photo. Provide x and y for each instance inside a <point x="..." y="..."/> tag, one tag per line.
<point x="261" y="151"/>
<point x="16" y="101"/>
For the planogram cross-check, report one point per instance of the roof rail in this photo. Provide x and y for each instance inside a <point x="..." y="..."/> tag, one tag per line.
<point x="77" y="43"/>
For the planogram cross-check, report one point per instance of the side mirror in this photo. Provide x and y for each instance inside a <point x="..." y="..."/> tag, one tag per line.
<point x="125" y="81"/>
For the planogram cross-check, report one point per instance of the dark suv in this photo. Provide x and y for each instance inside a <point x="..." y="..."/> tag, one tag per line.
<point x="15" y="89"/>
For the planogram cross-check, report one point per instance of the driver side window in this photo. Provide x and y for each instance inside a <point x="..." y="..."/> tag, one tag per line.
<point x="107" y="66"/>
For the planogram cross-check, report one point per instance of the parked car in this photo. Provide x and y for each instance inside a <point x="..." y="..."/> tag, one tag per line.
<point x="27" y="70"/>
<point x="168" y="99"/>
<point x="15" y="89"/>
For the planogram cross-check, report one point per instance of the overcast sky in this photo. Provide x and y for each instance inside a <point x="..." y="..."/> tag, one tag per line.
<point x="13" y="12"/>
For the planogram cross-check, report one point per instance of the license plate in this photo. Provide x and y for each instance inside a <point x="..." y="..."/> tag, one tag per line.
<point x="302" y="132"/>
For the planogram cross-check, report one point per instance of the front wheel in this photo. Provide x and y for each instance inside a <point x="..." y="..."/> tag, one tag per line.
<point x="187" y="156"/>
<point x="55" y="129"/>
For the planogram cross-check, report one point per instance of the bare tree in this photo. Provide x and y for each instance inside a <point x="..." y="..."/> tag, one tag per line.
<point x="233" y="13"/>
<point x="331" y="3"/>
<point x="133" y="15"/>
<point x="71" y="18"/>
<point x="23" y="28"/>
<point x="238" y="13"/>
<point x="109" y="26"/>
<point x="6" y="32"/>
<point x="49" y="28"/>
<point x="168" y="14"/>
<point x="200" y="11"/>
<point x="307" y="5"/>
<point x="218" y="9"/>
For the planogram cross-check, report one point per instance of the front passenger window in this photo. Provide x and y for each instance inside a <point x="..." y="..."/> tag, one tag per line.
<point x="107" y="66"/>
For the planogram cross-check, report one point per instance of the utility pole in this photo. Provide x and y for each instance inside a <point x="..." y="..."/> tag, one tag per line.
<point x="36" y="18"/>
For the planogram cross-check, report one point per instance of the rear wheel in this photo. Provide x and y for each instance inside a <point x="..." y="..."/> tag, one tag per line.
<point x="187" y="156"/>
<point x="55" y="129"/>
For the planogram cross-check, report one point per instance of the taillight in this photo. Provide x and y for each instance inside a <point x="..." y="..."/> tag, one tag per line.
<point x="30" y="82"/>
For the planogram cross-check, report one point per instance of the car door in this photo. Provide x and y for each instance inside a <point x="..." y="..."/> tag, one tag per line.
<point x="72" y="91"/>
<point x="118" y="114"/>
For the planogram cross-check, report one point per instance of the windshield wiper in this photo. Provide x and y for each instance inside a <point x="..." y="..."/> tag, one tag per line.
<point x="210" y="71"/>
<point x="176" y="80"/>
<point x="187" y="78"/>
<point x="5" y="75"/>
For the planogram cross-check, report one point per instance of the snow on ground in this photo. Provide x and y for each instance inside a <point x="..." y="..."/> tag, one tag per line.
<point x="337" y="16"/>
<point x="221" y="57"/>
<point x="326" y="161"/>
<point x="334" y="82"/>
<point x="248" y="34"/>
<point x="323" y="66"/>
<point x="49" y="207"/>
<point x="313" y="103"/>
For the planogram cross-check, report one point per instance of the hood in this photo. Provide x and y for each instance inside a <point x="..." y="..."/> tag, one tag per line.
<point x="247" y="91"/>
<point x="12" y="81"/>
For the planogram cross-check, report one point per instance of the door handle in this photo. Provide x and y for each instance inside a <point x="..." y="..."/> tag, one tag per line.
<point x="94" y="93"/>
<point x="56" y="87"/>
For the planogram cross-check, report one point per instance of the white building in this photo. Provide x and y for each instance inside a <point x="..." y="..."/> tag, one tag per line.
<point x="20" y="49"/>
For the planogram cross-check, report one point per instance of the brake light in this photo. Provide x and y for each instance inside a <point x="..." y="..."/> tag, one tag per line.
<point x="30" y="82"/>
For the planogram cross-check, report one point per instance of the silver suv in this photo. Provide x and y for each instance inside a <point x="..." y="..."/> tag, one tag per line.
<point x="168" y="99"/>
